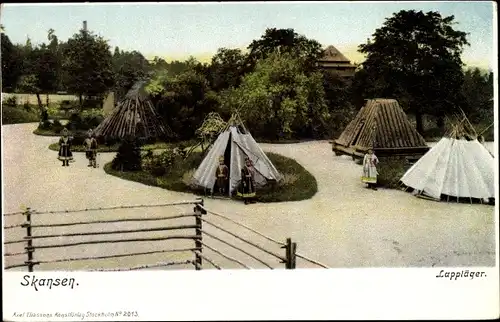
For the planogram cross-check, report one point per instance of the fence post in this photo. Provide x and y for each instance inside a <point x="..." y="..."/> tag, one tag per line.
<point x="290" y="253"/>
<point x="29" y="247"/>
<point x="198" y="212"/>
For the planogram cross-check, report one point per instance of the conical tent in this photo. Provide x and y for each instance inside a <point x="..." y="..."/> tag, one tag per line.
<point x="383" y="126"/>
<point x="135" y="116"/>
<point x="456" y="168"/>
<point x="235" y="144"/>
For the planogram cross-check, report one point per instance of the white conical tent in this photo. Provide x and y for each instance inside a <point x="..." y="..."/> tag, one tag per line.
<point x="456" y="168"/>
<point x="241" y="145"/>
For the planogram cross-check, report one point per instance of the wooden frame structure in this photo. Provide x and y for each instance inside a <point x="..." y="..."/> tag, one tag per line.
<point x="383" y="126"/>
<point x="134" y="116"/>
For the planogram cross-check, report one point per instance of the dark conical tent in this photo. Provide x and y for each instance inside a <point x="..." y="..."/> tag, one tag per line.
<point x="383" y="126"/>
<point x="136" y="116"/>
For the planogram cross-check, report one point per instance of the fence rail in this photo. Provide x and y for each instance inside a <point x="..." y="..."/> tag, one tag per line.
<point x="197" y="233"/>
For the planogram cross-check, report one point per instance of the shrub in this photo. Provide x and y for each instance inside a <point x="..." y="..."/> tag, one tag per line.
<point x="158" y="164"/>
<point x="187" y="178"/>
<point x="11" y="101"/>
<point x="57" y="126"/>
<point x="128" y="157"/>
<point x="27" y="107"/>
<point x="78" y="139"/>
<point x="390" y="170"/>
<point x="16" y="115"/>
<point x="45" y="125"/>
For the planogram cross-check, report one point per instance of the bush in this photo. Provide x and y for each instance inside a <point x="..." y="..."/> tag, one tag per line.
<point x="128" y="157"/>
<point x="57" y="126"/>
<point x="16" y="115"/>
<point x="298" y="183"/>
<point x="390" y="170"/>
<point x="158" y="165"/>
<point x="27" y="107"/>
<point x="11" y="101"/>
<point x="187" y="178"/>
<point x="85" y="121"/>
<point x="45" y="125"/>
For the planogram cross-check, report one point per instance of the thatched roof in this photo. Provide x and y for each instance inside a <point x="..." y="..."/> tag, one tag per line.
<point x="136" y="116"/>
<point x="382" y="125"/>
<point x="333" y="55"/>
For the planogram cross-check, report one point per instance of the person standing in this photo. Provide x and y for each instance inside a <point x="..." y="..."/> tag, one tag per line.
<point x="247" y="186"/>
<point x="370" y="163"/>
<point x="65" y="155"/>
<point x="222" y="176"/>
<point x="90" y="144"/>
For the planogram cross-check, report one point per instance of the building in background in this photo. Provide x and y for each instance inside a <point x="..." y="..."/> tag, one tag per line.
<point x="334" y="60"/>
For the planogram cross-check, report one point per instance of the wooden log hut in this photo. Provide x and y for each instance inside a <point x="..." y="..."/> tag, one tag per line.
<point x="383" y="126"/>
<point x="134" y="116"/>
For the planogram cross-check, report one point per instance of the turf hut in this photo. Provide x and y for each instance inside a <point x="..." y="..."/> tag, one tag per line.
<point x="382" y="125"/>
<point x="457" y="168"/>
<point x="235" y="143"/>
<point x="134" y="116"/>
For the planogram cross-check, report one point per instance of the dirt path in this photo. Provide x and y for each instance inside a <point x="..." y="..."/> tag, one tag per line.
<point x="343" y="225"/>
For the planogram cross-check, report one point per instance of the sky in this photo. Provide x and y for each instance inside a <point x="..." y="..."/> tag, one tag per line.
<point x="178" y="30"/>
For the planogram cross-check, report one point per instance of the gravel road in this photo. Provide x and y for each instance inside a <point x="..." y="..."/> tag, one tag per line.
<point x="343" y="225"/>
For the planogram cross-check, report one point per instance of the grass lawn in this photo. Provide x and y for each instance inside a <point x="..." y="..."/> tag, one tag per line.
<point x="298" y="183"/>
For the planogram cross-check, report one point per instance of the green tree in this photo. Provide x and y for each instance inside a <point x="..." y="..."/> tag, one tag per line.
<point x="128" y="68"/>
<point x="477" y="93"/>
<point x="87" y="65"/>
<point x="39" y="74"/>
<point x="280" y="100"/>
<point x="183" y="100"/>
<point x="227" y="68"/>
<point x="11" y="69"/>
<point x="415" y="56"/>
<point x="286" y="41"/>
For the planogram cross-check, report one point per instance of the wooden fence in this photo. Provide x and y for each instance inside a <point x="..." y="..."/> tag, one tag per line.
<point x="202" y="231"/>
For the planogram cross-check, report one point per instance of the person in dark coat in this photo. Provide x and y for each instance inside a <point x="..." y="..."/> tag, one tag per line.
<point x="222" y="176"/>
<point x="65" y="155"/>
<point x="247" y="186"/>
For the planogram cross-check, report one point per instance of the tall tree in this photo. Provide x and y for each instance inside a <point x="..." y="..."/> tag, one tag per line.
<point x="11" y="69"/>
<point x="416" y="56"/>
<point x="279" y="99"/>
<point x="87" y="65"/>
<point x="477" y="93"/>
<point x="227" y="68"/>
<point x="183" y="100"/>
<point x="40" y="72"/>
<point x="286" y="41"/>
<point x="128" y="68"/>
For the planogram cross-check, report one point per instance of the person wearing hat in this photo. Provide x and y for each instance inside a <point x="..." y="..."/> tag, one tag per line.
<point x="90" y="144"/>
<point x="222" y="175"/>
<point x="370" y="162"/>
<point x="65" y="154"/>
<point x="247" y="186"/>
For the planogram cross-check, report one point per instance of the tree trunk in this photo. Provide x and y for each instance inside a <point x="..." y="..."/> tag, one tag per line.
<point x="40" y="105"/>
<point x="440" y="122"/>
<point x="47" y="100"/>
<point x="418" y="118"/>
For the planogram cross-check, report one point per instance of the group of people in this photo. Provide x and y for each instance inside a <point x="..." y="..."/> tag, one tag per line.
<point x="246" y="189"/>
<point x="66" y="155"/>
